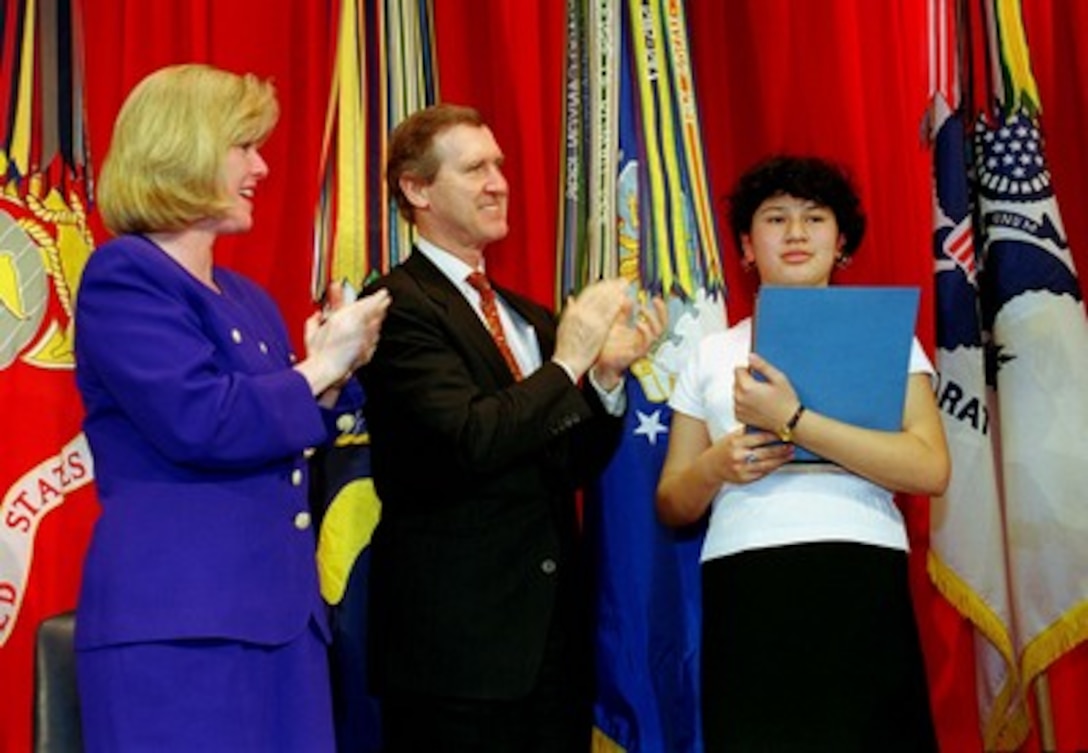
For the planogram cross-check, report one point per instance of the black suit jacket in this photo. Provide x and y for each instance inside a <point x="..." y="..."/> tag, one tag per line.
<point x="477" y="547"/>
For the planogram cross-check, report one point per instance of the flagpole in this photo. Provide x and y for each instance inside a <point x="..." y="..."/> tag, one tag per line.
<point x="1047" y="738"/>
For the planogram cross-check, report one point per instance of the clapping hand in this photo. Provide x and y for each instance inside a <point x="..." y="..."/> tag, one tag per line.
<point x="342" y="337"/>
<point x="586" y="322"/>
<point x="628" y="340"/>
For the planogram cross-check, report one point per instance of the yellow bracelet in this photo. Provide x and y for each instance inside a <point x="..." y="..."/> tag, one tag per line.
<point x="786" y="432"/>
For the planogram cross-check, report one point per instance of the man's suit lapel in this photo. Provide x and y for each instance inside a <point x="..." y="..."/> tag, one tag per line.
<point x="464" y="323"/>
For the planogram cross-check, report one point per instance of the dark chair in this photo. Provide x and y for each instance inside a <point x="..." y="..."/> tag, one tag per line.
<point x="56" y="698"/>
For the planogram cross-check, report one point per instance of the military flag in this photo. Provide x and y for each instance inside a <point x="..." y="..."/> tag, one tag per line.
<point x="1007" y="537"/>
<point x="46" y="505"/>
<point x="635" y="203"/>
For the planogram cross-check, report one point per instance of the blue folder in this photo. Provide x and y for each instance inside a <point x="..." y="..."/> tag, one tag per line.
<point x="845" y="349"/>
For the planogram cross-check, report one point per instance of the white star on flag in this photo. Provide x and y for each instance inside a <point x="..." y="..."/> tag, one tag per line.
<point x="649" y="425"/>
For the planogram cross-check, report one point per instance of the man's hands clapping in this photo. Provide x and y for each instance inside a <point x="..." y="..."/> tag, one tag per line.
<point x="596" y="331"/>
<point x="629" y="340"/>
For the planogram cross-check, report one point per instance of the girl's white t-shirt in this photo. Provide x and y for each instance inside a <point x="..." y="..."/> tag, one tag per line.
<point x="798" y="503"/>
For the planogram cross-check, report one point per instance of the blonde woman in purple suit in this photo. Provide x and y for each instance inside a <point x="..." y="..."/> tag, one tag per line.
<point x="199" y="625"/>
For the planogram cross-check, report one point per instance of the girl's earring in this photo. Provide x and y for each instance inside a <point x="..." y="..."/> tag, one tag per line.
<point x="842" y="261"/>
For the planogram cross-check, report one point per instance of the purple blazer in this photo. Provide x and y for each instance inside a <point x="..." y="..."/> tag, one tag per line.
<point x="197" y="425"/>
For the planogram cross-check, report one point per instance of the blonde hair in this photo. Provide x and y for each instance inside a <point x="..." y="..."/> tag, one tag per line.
<point x="164" y="169"/>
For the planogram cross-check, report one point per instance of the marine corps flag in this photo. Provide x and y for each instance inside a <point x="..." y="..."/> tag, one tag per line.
<point x="46" y="506"/>
<point x="1008" y="537"/>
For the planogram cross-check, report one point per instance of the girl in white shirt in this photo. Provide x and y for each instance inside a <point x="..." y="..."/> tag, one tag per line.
<point x="809" y="639"/>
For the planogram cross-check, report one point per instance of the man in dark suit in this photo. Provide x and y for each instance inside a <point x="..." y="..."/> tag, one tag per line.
<point x="481" y="431"/>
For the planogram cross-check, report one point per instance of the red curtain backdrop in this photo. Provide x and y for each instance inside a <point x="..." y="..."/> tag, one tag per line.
<point x="290" y="42"/>
<point x="506" y="59"/>
<point x="843" y="78"/>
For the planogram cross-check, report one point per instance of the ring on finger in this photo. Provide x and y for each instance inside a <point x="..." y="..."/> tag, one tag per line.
<point x="750" y="458"/>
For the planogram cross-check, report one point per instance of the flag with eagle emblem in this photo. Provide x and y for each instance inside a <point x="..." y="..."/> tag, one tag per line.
<point x="47" y="506"/>
<point x="1007" y="538"/>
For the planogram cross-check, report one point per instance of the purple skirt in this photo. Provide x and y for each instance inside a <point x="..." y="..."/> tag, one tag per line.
<point x="208" y="696"/>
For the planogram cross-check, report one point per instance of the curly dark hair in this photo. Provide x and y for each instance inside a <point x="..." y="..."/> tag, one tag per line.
<point x="810" y="178"/>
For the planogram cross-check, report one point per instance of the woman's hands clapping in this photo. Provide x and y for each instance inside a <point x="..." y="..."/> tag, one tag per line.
<point x="340" y="339"/>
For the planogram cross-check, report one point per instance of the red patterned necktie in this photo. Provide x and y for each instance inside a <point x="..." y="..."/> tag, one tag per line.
<point x="479" y="281"/>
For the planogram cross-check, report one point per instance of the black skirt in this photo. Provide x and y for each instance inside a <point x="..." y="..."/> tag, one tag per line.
<point x="812" y="647"/>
